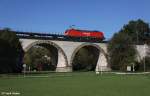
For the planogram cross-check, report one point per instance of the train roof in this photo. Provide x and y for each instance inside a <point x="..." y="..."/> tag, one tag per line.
<point x="85" y="30"/>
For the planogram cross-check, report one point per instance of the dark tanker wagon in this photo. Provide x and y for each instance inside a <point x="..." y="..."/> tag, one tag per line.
<point x="84" y="33"/>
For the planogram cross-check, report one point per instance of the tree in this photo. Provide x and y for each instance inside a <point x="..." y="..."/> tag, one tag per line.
<point x="11" y="52"/>
<point x="86" y="59"/>
<point x="138" y="31"/>
<point x="121" y="47"/>
<point x="121" y="51"/>
<point x="40" y="58"/>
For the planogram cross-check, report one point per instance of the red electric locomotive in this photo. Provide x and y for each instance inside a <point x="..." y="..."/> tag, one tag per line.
<point x="84" y="33"/>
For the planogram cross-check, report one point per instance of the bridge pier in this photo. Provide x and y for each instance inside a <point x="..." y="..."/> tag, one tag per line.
<point x="102" y="64"/>
<point x="62" y="65"/>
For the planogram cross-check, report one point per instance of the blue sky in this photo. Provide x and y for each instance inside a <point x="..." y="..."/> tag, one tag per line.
<point x="57" y="15"/>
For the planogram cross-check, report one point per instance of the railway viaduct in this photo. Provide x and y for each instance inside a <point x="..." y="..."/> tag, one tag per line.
<point x="67" y="50"/>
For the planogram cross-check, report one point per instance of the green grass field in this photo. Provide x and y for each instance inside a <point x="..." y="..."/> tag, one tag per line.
<point x="76" y="84"/>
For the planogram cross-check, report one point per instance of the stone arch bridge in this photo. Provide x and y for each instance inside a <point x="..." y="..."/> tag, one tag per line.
<point x="67" y="51"/>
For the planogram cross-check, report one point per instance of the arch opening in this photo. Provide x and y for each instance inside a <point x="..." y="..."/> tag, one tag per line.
<point x="85" y="58"/>
<point x="44" y="56"/>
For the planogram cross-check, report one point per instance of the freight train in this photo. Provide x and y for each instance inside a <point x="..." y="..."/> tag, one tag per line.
<point x="75" y="33"/>
<point x="69" y="35"/>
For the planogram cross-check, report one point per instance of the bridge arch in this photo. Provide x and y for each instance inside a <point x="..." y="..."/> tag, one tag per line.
<point x="101" y="55"/>
<point x="62" y="61"/>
